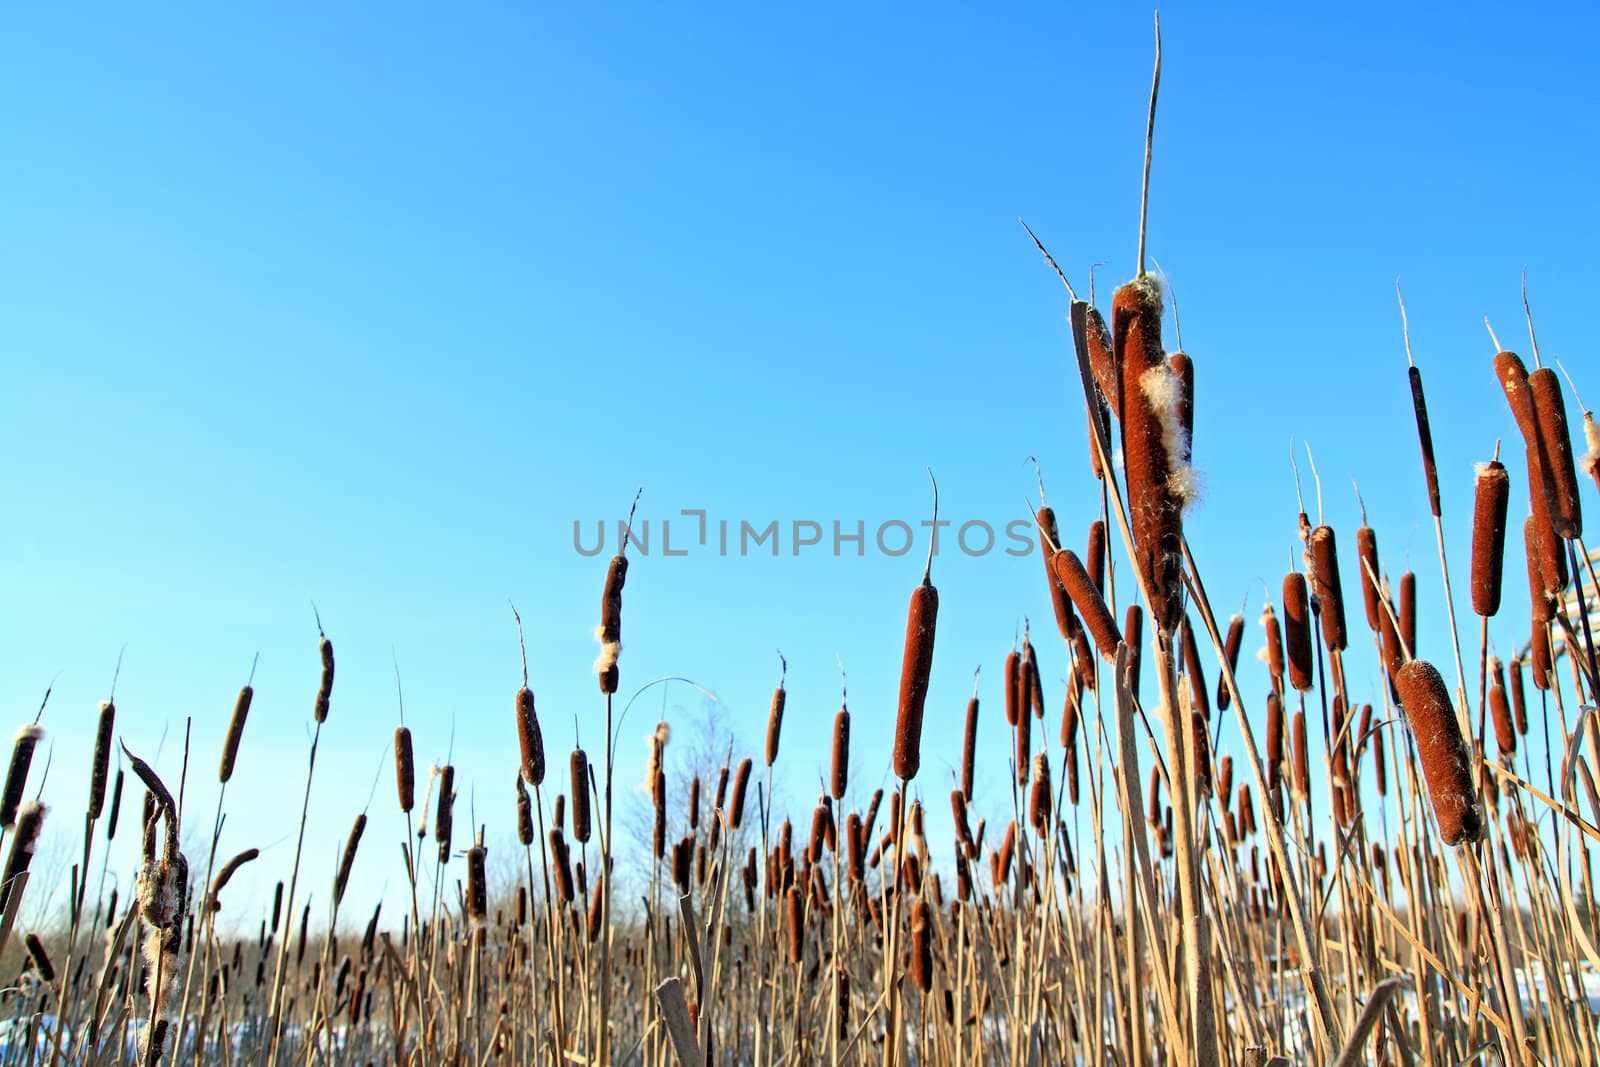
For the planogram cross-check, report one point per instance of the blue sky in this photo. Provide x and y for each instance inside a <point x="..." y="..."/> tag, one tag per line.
<point x="368" y="306"/>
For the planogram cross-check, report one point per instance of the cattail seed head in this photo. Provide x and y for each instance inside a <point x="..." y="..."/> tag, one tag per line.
<point x="580" y="795"/>
<point x="969" y="745"/>
<point x="30" y="818"/>
<point x="405" y="772"/>
<point x="1555" y="454"/>
<point x="1133" y="635"/>
<point x="1297" y="630"/>
<point x="1500" y="709"/>
<point x="775" y="722"/>
<point x="1446" y="762"/>
<point x="1302" y="758"/>
<point x="795" y="903"/>
<point x="1367" y="556"/>
<point x="1408" y="610"/>
<point x="1024" y="740"/>
<point x="694" y="802"/>
<point x="444" y="811"/>
<point x="1273" y="651"/>
<point x="342" y="879"/>
<point x="609" y="632"/>
<point x="1199" y="699"/>
<point x="741" y="780"/>
<point x="841" y="753"/>
<point x="1049" y="540"/>
<point x="1014" y="689"/>
<point x="1519" y="706"/>
<point x="1274" y="742"/>
<point x="102" y="758"/>
<point x="230" y="744"/>
<point x="530" y="737"/>
<point x="41" y="958"/>
<point x="1039" y="795"/>
<point x="524" y="814"/>
<point x="1153" y="445"/>
<point x="26" y="740"/>
<point x="596" y="909"/>
<point x="1329" y="589"/>
<point x="477" y="886"/>
<point x="325" y="686"/>
<point x="1230" y="649"/>
<point x="1091" y="605"/>
<point x="116" y="805"/>
<point x="922" y="920"/>
<point x="1492" y="491"/>
<point x="914" y="671"/>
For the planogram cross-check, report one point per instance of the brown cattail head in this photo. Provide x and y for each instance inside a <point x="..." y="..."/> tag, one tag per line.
<point x="1546" y="560"/>
<point x="741" y="781"/>
<point x="1408" y="610"/>
<point x="580" y="795"/>
<point x="969" y="748"/>
<point x="1224" y="779"/>
<point x="102" y="758"/>
<point x="477" y="886"/>
<point x="1273" y="652"/>
<point x="1446" y="760"/>
<point x="230" y="745"/>
<point x="609" y="632"/>
<point x="1519" y="704"/>
<point x="26" y="740"/>
<point x="841" y="753"/>
<point x="524" y="814"/>
<point x="1103" y="360"/>
<point x="1199" y="698"/>
<point x="597" y="903"/>
<point x="41" y="958"/>
<point x="1034" y="689"/>
<point x="780" y="697"/>
<point x="1380" y="763"/>
<point x="1367" y="556"/>
<point x="1302" y="758"/>
<point x="1014" y="687"/>
<point x="1430" y="470"/>
<point x="30" y="819"/>
<point x="694" y="802"/>
<point x="116" y="805"/>
<point x="530" y="737"/>
<point x="1091" y="605"/>
<point x="1555" y="454"/>
<point x="1049" y="540"/>
<point x="1024" y="739"/>
<point x="1500" y="709"/>
<point x="1329" y="590"/>
<point x="1274" y="742"/>
<point x="1039" y="795"/>
<point x="1133" y="635"/>
<point x="1492" y="491"/>
<point x="914" y="670"/>
<point x="1297" y="630"/>
<point x="1159" y="481"/>
<point x="405" y="773"/>
<point x="342" y="879"/>
<point x="444" y="811"/>
<point x="325" y="686"/>
<point x="1070" y="718"/>
<point x="1508" y="367"/>
<point x="922" y="920"/>
<point x="795" y="904"/>
<point x="1230" y="648"/>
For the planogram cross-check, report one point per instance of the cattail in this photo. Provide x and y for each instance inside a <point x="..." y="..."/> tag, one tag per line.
<point x="914" y="670"/>
<point x="1492" y="489"/>
<point x="1202" y="755"/>
<point x="563" y="866"/>
<point x="1091" y="605"/>
<point x="922" y="921"/>
<point x="855" y="841"/>
<point x="1103" y="358"/>
<point x="1083" y="674"/>
<point x="1367" y="555"/>
<point x="443" y="814"/>
<point x="325" y="686"/>
<point x="580" y="796"/>
<point x="1133" y="631"/>
<point x="102" y="758"/>
<point x="477" y="885"/>
<point x="1297" y="630"/>
<point x="841" y="752"/>
<point x="1039" y="795"/>
<point x="1034" y="690"/>
<point x="741" y="780"/>
<point x="525" y="815"/>
<point x="1273" y="651"/>
<point x="1159" y="482"/>
<point x="1302" y="758"/>
<point x="1154" y="816"/>
<point x="1230" y="650"/>
<point x="609" y="632"/>
<point x="796" y="910"/>
<point x="1274" y="742"/>
<point x="694" y="803"/>
<point x="596" y="909"/>
<point x="1329" y="590"/>
<point x="1555" y="454"/>
<point x="1049" y="540"/>
<point x="1013" y="687"/>
<point x="350" y="844"/>
<point x="1519" y="706"/>
<point x="871" y="817"/>
<point x="1007" y="848"/>
<point x="405" y="774"/>
<point x="530" y="737"/>
<point x="559" y="819"/>
<point x="27" y="738"/>
<point x="682" y="858"/>
<point x="277" y="907"/>
<point x="969" y="746"/>
<point x="41" y="958"/>
<point x="1446" y="764"/>
<point x="1430" y="470"/>
<point x="1408" y="610"/>
<point x="225" y="875"/>
<point x="1380" y="764"/>
<point x="1094" y="557"/>
<point x="30" y="818"/>
<point x="230" y="745"/>
<point x="780" y="697"/>
<point x="1069" y="722"/>
<point x="1500" y="709"/>
<point x="1224" y="778"/>
<point x="1024" y="739"/>
<point x="1199" y="699"/>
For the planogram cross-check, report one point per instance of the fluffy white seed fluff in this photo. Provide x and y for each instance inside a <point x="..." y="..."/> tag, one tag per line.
<point x="1591" y="437"/>
<point x="1164" y="389"/>
<point x="609" y="650"/>
<point x="1268" y="619"/>
<point x="31" y="732"/>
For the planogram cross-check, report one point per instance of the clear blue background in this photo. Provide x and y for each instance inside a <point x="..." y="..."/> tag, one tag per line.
<point x="369" y="305"/>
